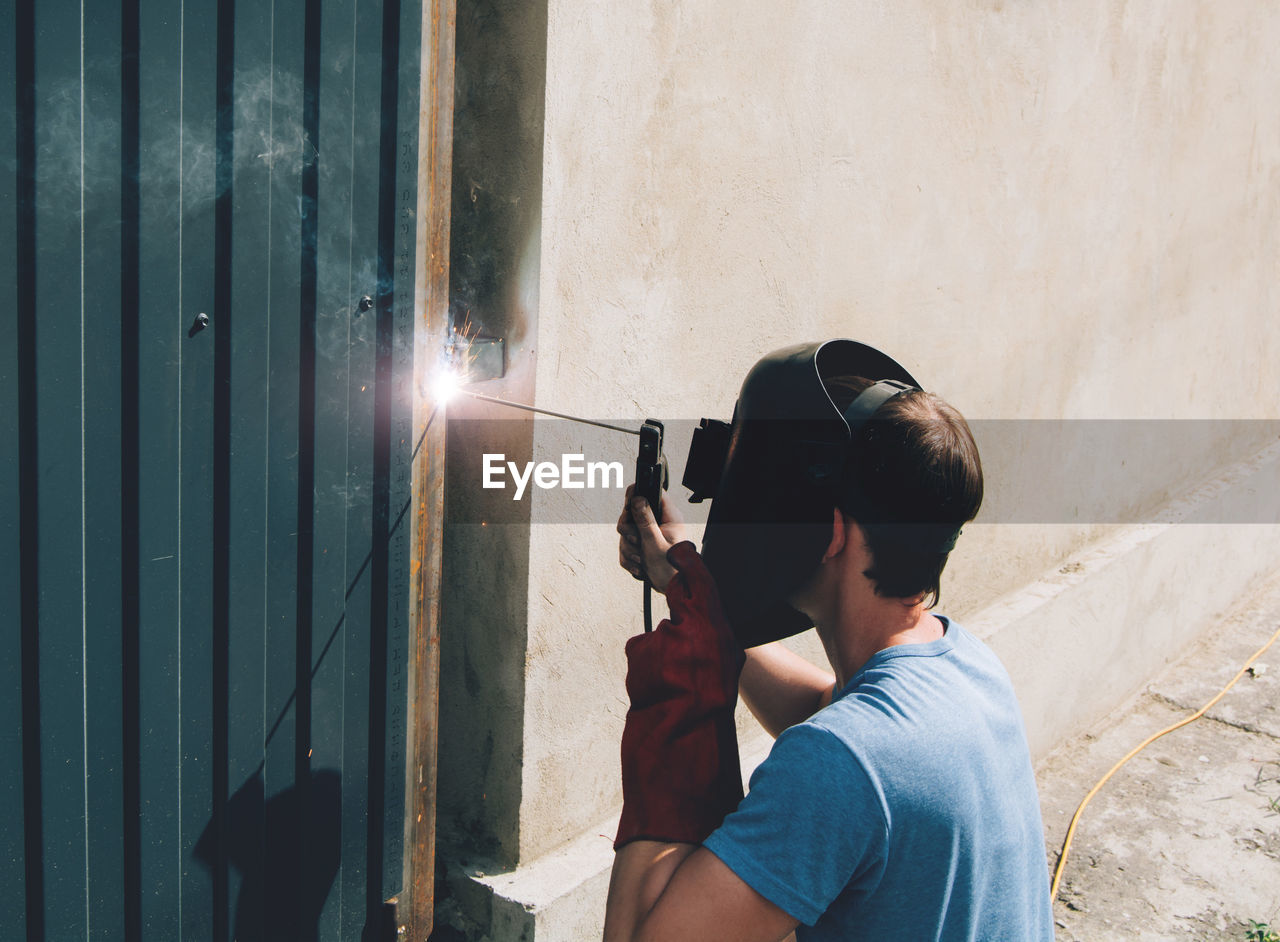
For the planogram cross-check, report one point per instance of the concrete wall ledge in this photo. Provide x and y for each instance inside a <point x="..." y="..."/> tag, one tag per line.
<point x="558" y="896"/>
<point x="1081" y="639"/>
<point x="1077" y="642"/>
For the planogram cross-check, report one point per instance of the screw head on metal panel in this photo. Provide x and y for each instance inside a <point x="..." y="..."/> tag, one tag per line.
<point x="365" y="304"/>
<point x="201" y="322"/>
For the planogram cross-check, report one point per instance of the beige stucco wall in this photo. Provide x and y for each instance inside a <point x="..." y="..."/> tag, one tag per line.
<point x="1051" y="210"/>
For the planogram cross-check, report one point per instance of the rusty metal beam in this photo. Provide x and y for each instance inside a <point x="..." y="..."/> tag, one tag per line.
<point x="432" y="312"/>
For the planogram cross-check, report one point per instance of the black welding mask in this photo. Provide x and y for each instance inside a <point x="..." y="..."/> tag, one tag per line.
<point x="774" y="474"/>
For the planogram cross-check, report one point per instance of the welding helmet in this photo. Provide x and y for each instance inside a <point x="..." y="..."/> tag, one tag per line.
<point x="775" y="473"/>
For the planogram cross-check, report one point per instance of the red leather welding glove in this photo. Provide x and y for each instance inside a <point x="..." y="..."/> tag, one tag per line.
<point x="680" y="772"/>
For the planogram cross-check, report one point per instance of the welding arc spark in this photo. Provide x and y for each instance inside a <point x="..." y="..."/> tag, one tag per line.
<point x="445" y="386"/>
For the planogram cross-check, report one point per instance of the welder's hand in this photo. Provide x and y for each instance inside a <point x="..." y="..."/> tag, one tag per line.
<point x="643" y="545"/>
<point x="680" y="772"/>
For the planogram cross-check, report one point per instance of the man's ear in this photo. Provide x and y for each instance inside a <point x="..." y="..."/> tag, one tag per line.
<point x="839" y="535"/>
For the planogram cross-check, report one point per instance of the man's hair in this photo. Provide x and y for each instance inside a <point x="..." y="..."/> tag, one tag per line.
<point x="915" y="466"/>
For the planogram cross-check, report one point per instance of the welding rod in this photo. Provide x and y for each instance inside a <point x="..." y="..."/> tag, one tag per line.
<point x="558" y="415"/>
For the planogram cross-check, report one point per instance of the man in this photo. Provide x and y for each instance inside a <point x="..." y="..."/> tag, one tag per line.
<point x="898" y="801"/>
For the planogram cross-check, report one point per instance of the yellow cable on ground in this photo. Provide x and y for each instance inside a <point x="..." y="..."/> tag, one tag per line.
<point x="1075" y="819"/>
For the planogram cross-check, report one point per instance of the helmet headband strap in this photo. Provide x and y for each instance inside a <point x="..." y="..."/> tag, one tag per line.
<point x="867" y="402"/>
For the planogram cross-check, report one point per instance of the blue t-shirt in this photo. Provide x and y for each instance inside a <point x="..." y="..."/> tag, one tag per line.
<point x="906" y="809"/>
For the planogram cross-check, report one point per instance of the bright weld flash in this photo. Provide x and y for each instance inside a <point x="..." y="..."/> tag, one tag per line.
<point x="446" y="385"/>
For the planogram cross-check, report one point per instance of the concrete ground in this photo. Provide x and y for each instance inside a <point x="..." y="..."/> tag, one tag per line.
<point x="1184" y="841"/>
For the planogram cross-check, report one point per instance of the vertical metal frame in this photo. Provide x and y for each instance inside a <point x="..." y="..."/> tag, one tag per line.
<point x="435" y="163"/>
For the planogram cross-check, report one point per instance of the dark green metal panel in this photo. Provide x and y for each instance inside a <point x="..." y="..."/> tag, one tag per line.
<point x="282" y="330"/>
<point x="101" y="324"/>
<point x="198" y="702"/>
<point x="60" y="301"/>
<point x="207" y="442"/>
<point x="162" y="343"/>
<point x="357" y="545"/>
<point x="251" y="394"/>
<point x="12" y="861"/>
<point x="346" y="253"/>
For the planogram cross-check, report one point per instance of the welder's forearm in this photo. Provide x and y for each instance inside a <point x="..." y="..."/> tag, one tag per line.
<point x="781" y="688"/>
<point x="641" y="871"/>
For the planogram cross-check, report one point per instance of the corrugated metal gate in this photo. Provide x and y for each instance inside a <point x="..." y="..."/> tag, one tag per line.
<point x="207" y="226"/>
